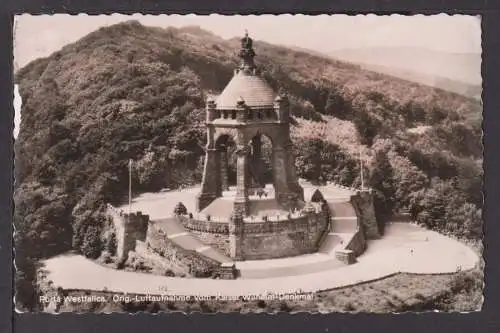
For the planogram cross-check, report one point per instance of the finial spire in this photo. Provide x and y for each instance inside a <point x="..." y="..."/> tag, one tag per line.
<point x="247" y="53"/>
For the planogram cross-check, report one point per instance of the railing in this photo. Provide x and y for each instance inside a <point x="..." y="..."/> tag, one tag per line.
<point x="274" y="218"/>
<point x="257" y="218"/>
<point x="349" y="188"/>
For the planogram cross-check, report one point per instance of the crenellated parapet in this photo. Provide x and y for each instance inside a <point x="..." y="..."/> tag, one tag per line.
<point x="129" y="228"/>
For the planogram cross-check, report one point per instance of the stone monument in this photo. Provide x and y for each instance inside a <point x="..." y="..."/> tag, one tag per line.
<point x="246" y="110"/>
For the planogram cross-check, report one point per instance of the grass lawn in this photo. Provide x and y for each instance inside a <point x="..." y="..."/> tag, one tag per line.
<point x="403" y="292"/>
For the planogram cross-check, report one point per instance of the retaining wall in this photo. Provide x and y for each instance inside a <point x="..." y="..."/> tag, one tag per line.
<point x="299" y="234"/>
<point x="278" y="239"/>
<point x="357" y="244"/>
<point x="199" y="265"/>
<point x="362" y="202"/>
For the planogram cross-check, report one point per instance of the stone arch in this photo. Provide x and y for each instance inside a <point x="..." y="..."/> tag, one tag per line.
<point x="271" y="132"/>
<point x="225" y="145"/>
<point x="261" y="159"/>
<point x="225" y="131"/>
<point x="223" y="139"/>
<point x="261" y="134"/>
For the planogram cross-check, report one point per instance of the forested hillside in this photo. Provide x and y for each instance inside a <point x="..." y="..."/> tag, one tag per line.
<point x="134" y="92"/>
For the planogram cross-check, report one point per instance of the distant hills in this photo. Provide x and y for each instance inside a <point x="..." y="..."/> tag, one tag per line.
<point x="129" y="75"/>
<point x="455" y="72"/>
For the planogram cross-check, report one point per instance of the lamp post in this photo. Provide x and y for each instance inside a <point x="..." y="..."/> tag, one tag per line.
<point x="361" y="168"/>
<point x="129" y="186"/>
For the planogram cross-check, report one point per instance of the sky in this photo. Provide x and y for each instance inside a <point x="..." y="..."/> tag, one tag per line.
<point x="38" y="36"/>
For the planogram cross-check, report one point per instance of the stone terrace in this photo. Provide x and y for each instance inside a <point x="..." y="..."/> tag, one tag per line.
<point x="404" y="248"/>
<point x="161" y="204"/>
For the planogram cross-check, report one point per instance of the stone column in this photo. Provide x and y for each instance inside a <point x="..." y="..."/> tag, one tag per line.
<point x="287" y="188"/>
<point x="224" y="168"/>
<point x="236" y="237"/>
<point x="280" y="174"/>
<point x="274" y="173"/>
<point x="210" y="184"/>
<point x="292" y="179"/>
<point x="257" y="162"/>
<point x="242" y="181"/>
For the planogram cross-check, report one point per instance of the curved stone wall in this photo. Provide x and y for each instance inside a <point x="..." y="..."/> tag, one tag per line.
<point x="363" y="204"/>
<point x="299" y="234"/>
<point x="278" y="239"/>
<point x="204" y="225"/>
<point x="200" y="265"/>
<point x="214" y="234"/>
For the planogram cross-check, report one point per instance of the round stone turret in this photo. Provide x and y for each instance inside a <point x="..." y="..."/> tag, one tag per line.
<point x="211" y="113"/>
<point x="281" y="107"/>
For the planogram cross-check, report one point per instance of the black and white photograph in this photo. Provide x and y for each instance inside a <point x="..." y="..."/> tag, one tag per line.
<point x="248" y="164"/>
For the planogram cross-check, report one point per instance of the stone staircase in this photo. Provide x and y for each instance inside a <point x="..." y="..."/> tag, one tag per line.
<point x="330" y="243"/>
<point x="343" y="226"/>
<point x="343" y="217"/>
<point x="178" y="235"/>
<point x="334" y="250"/>
<point x="189" y="244"/>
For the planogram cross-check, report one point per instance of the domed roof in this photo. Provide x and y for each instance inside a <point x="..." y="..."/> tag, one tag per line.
<point x="253" y="89"/>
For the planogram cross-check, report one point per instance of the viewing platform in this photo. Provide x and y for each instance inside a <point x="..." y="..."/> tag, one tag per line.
<point x="405" y="248"/>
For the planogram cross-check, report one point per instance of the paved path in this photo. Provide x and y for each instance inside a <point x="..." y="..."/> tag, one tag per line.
<point x="287" y="267"/>
<point x="161" y="205"/>
<point x="178" y="235"/>
<point x="223" y="207"/>
<point x="404" y="248"/>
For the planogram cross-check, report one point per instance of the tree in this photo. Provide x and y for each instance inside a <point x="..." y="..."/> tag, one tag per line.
<point x="432" y="209"/>
<point x="367" y="126"/>
<point x="382" y="182"/>
<point x="92" y="244"/>
<point x="473" y="225"/>
<point x="111" y="244"/>
<point x="408" y="179"/>
<point x="180" y="209"/>
<point x="308" y="160"/>
<point x="442" y="208"/>
<point x="336" y="105"/>
<point x="462" y="218"/>
<point x="152" y="168"/>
